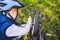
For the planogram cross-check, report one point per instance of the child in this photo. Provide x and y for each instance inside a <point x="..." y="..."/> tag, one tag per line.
<point x="8" y="27"/>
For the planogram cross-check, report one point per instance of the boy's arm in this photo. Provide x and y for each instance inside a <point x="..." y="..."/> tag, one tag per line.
<point x="15" y="30"/>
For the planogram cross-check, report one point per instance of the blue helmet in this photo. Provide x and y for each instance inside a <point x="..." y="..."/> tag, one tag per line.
<point x="8" y="4"/>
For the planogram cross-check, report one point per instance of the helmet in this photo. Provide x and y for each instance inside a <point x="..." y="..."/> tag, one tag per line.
<point x="8" y="4"/>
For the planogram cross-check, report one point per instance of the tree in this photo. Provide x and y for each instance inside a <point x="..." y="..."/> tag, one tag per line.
<point x="50" y="14"/>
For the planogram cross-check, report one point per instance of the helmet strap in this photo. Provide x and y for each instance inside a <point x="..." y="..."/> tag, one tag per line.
<point x="5" y="13"/>
<point x="11" y="16"/>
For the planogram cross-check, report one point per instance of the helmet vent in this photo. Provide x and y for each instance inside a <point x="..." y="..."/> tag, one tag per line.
<point x="1" y="0"/>
<point x="2" y="4"/>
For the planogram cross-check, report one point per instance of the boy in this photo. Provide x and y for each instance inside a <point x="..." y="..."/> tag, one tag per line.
<point x="8" y="27"/>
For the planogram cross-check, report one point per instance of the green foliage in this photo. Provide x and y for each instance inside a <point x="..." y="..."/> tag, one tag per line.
<point x="49" y="13"/>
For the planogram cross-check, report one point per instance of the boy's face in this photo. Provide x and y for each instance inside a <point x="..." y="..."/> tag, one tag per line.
<point x="13" y="12"/>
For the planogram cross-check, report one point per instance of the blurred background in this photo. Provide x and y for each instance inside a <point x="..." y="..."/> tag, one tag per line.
<point x="49" y="16"/>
